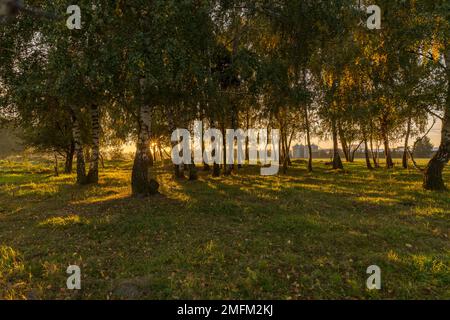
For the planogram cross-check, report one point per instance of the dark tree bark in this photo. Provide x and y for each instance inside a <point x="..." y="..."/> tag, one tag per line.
<point x="366" y="152"/>
<point x="234" y="126"/>
<point x="286" y="143"/>
<point x="216" y="170"/>
<point x="374" y="156"/>
<point x="227" y="168"/>
<point x="81" y="165"/>
<point x="345" y="146"/>
<point x="92" y="176"/>
<point x="68" y="166"/>
<point x="337" y="162"/>
<point x="216" y="167"/>
<point x="193" y="172"/>
<point x="154" y="154"/>
<point x="352" y="152"/>
<point x="388" y="154"/>
<point x="206" y="166"/>
<point x="387" y="150"/>
<point x="102" y="161"/>
<point x="411" y="156"/>
<point x="308" y="128"/>
<point x="160" y="153"/>
<point x="284" y="152"/>
<point x="405" y="152"/>
<point x="308" y="140"/>
<point x="178" y="170"/>
<point x="141" y="183"/>
<point x="247" y="121"/>
<point x="56" y="165"/>
<point x="433" y="173"/>
<point x="289" y="144"/>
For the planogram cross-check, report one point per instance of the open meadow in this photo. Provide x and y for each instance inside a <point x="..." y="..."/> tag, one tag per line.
<point x="295" y="236"/>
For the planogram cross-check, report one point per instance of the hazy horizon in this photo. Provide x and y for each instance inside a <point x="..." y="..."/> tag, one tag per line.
<point x="435" y="136"/>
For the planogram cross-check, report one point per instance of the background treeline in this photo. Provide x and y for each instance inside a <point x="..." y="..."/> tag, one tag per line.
<point x="422" y="148"/>
<point x="137" y="70"/>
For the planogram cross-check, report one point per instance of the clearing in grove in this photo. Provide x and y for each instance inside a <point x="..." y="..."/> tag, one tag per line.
<point x="295" y="236"/>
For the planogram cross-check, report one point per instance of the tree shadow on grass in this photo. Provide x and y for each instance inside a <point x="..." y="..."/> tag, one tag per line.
<point x="229" y="237"/>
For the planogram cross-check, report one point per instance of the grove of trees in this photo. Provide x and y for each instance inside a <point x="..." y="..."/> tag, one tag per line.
<point x="137" y="70"/>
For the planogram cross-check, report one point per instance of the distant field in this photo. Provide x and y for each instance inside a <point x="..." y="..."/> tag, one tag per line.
<point x="294" y="236"/>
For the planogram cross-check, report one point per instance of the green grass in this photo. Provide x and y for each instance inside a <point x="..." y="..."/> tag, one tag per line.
<point x="294" y="236"/>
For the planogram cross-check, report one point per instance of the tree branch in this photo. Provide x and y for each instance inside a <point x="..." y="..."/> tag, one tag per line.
<point x="428" y="57"/>
<point x="433" y="113"/>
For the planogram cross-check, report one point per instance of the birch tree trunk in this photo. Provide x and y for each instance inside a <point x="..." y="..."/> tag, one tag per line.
<point x="216" y="167"/>
<point x="178" y="170"/>
<point x="405" y="152"/>
<point x="81" y="166"/>
<point x="55" y="155"/>
<point x="387" y="150"/>
<point x="433" y="173"/>
<point x="387" y="153"/>
<point x="345" y="145"/>
<point x="374" y="156"/>
<point x="366" y="151"/>
<point x="69" y="158"/>
<point x="307" y="126"/>
<point x="92" y="176"/>
<point x="337" y="162"/>
<point x="247" y="127"/>
<point x="141" y="183"/>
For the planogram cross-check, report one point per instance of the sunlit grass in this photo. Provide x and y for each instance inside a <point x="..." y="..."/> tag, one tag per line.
<point x="62" y="221"/>
<point x="295" y="236"/>
<point x="14" y="280"/>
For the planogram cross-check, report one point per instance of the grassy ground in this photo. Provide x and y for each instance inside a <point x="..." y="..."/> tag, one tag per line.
<point x="294" y="236"/>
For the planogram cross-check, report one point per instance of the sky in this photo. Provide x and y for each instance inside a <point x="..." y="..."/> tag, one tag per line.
<point x="435" y="134"/>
